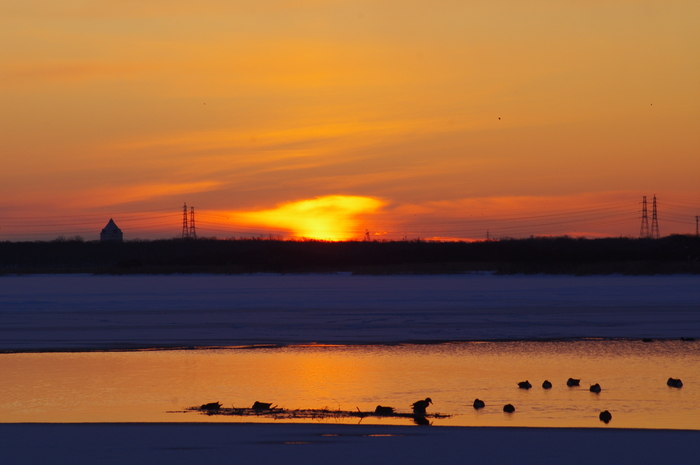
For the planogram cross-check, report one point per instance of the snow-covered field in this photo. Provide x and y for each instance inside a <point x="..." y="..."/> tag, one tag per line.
<point x="62" y="312"/>
<point x="175" y="444"/>
<point x="82" y="312"/>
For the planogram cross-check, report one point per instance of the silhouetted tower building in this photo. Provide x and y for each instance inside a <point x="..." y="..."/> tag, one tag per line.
<point x="644" y="230"/>
<point x="654" y="220"/>
<point x="193" y="231"/>
<point x="185" y="223"/>
<point x="111" y="233"/>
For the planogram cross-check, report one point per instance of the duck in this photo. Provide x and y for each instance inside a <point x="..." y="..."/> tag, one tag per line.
<point x="595" y="388"/>
<point x="381" y="410"/>
<point x="524" y="385"/>
<point x="420" y="406"/>
<point x="572" y="382"/>
<point x="508" y="408"/>
<point x="211" y="406"/>
<point x="478" y="403"/>
<point x="546" y="385"/>
<point x="262" y="405"/>
<point x="674" y="382"/>
<point x="605" y="416"/>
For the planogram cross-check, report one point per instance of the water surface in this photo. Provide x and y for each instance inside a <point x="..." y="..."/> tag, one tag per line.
<point x="156" y="386"/>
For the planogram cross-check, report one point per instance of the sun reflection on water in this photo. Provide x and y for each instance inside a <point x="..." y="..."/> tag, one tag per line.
<point x="159" y="385"/>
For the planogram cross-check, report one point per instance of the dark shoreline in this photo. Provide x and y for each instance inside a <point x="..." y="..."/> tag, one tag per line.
<point x="538" y="255"/>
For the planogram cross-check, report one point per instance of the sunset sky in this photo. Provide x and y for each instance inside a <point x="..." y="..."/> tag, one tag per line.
<point x="326" y="119"/>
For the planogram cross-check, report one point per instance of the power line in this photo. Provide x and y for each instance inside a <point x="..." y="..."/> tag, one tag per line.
<point x="654" y="220"/>
<point x="193" y="230"/>
<point x="644" y="230"/>
<point x="591" y="219"/>
<point x="185" y="223"/>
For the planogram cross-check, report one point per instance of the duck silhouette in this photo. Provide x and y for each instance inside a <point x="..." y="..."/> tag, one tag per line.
<point x="508" y="408"/>
<point x="524" y="385"/>
<point x="478" y="403"/>
<point x="605" y="416"/>
<point x="595" y="388"/>
<point x="211" y="406"/>
<point x="420" y="406"/>
<point x="546" y="385"/>
<point x="572" y="382"/>
<point x="262" y="405"/>
<point x="674" y="382"/>
<point x="381" y="410"/>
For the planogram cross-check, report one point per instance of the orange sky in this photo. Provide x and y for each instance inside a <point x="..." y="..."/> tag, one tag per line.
<point x="439" y="119"/>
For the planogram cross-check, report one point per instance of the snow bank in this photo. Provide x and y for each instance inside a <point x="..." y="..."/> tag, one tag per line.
<point x="175" y="444"/>
<point x="81" y="312"/>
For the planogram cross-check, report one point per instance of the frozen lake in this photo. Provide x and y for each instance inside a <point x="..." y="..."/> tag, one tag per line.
<point x="77" y="312"/>
<point x="522" y="327"/>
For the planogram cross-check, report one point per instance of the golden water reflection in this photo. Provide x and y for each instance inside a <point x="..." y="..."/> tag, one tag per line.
<point x="156" y="386"/>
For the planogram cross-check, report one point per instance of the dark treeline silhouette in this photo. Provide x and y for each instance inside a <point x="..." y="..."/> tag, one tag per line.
<point x="560" y="255"/>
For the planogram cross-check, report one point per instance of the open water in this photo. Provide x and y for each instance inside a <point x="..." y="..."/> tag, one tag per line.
<point x="158" y="385"/>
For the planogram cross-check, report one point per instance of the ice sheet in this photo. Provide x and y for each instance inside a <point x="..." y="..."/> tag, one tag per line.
<point x="83" y="311"/>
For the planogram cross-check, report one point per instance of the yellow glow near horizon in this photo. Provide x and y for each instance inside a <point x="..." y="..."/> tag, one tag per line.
<point x="333" y="217"/>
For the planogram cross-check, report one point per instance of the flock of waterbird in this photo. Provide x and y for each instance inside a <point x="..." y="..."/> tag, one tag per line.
<point x="420" y="406"/>
<point x="605" y="416"/>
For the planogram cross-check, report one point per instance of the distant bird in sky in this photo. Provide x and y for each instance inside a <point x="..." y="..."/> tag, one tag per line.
<point x="420" y="406"/>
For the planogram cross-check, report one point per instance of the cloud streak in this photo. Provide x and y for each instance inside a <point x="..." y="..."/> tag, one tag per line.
<point x="119" y="195"/>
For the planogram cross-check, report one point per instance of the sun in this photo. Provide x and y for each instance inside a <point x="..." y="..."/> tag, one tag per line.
<point x="332" y="218"/>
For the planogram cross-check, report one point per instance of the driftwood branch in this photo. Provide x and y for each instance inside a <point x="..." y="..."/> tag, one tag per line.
<point x="285" y="414"/>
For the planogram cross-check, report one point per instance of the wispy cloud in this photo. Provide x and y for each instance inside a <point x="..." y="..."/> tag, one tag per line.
<point x="30" y="74"/>
<point x="116" y="195"/>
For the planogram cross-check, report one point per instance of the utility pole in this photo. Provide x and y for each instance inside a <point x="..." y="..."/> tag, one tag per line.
<point x="644" y="230"/>
<point x="193" y="231"/>
<point x="185" y="225"/>
<point x="654" y="221"/>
